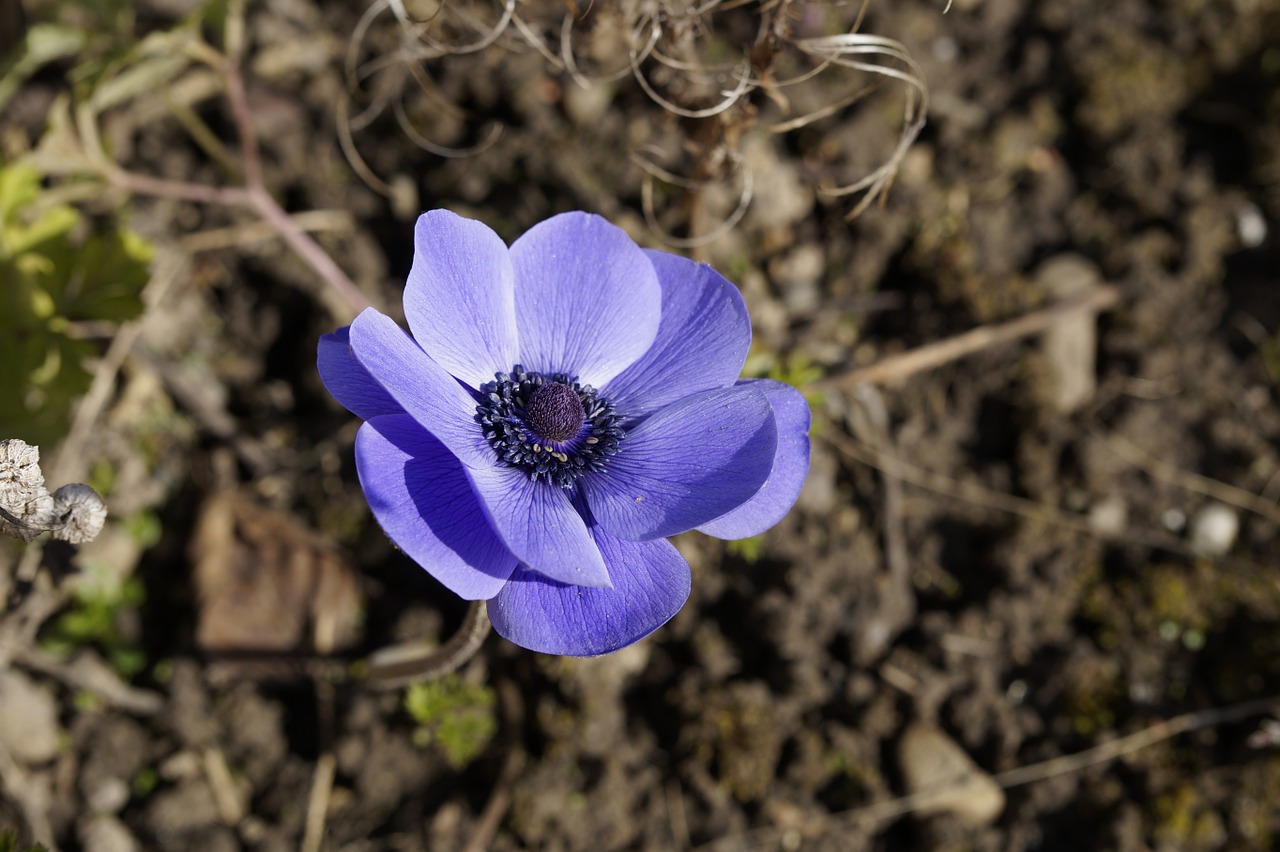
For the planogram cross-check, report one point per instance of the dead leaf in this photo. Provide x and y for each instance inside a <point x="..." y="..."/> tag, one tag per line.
<point x="267" y="584"/>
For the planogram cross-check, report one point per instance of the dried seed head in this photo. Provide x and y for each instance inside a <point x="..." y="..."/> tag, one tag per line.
<point x="80" y="511"/>
<point x="74" y="513"/>
<point x="26" y="509"/>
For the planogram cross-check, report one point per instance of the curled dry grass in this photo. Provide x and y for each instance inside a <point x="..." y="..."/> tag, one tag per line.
<point x="666" y="48"/>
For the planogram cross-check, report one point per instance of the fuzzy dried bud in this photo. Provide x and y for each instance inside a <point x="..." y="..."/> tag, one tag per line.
<point x="74" y="513"/>
<point x="80" y="511"/>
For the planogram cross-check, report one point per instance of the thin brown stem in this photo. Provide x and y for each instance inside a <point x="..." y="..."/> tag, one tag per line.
<point x="766" y="837"/>
<point x="227" y="196"/>
<point x="266" y="207"/>
<point x="309" y="250"/>
<point x="397" y="666"/>
<point x="1194" y="482"/>
<point x="238" y="100"/>
<point x="898" y="367"/>
<point x="1162" y="730"/>
<point x="349" y="300"/>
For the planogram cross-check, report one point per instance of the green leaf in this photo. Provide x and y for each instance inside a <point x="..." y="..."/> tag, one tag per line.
<point x="457" y="717"/>
<point x="105" y="278"/>
<point x="51" y="277"/>
<point x="19" y="186"/>
<point x="19" y="231"/>
<point x="43" y="43"/>
<point x="145" y="68"/>
<point x="149" y="76"/>
<point x="44" y="374"/>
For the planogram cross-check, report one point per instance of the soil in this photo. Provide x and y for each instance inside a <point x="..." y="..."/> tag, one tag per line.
<point x="1035" y="550"/>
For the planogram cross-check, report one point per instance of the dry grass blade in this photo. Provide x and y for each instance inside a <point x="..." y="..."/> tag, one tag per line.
<point x="840" y="50"/>
<point x="571" y="64"/>
<point x="933" y="355"/>
<point x="415" y="136"/>
<point x="318" y="802"/>
<point x="1193" y="482"/>
<point x="490" y="36"/>
<point x="536" y="42"/>
<point x="655" y="172"/>
<point x="352" y="153"/>
<point x="744" y="202"/>
<point x="406" y="63"/>
<point x="432" y="91"/>
<point x="730" y="97"/>
<point x="825" y="112"/>
<point x="767" y="836"/>
<point x="351" y="64"/>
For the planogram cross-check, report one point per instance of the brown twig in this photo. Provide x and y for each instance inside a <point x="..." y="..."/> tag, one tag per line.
<point x="933" y="355"/>
<point x="348" y="298"/>
<point x="237" y="97"/>
<point x="137" y="184"/>
<point x="86" y="672"/>
<point x="70" y="464"/>
<point x="309" y="250"/>
<point x="871" y="423"/>
<point x="500" y="797"/>
<point x="1137" y="741"/>
<point x="977" y="495"/>
<point x="892" y="808"/>
<point x="1194" y="482"/>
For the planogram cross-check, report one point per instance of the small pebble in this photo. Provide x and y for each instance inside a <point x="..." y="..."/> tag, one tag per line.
<point x="28" y="718"/>
<point x="105" y="833"/>
<point x="945" y="49"/>
<point x="1214" y="530"/>
<point x="1110" y="516"/>
<point x="932" y="761"/>
<point x="1251" y="226"/>
<point x="109" y="797"/>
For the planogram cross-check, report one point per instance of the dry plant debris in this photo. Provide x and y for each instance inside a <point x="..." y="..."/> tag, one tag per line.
<point x="73" y="513"/>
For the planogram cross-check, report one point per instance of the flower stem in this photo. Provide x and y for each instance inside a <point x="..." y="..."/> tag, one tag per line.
<point x="400" y="665"/>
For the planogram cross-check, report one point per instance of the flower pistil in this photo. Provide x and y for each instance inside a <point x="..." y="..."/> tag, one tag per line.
<point x="550" y="425"/>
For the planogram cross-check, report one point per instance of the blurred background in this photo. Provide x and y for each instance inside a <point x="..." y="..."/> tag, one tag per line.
<point x="1020" y="256"/>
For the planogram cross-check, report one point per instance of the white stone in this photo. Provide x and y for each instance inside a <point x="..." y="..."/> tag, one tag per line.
<point x="105" y="833"/>
<point x="1251" y="226"/>
<point x="1110" y="516"/>
<point x="935" y="765"/>
<point x="1214" y="530"/>
<point x="28" y="718"/>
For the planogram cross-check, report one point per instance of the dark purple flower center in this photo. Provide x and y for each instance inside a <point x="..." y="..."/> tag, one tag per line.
<point x="549" y="425"/>
<point x="555" y="412"/>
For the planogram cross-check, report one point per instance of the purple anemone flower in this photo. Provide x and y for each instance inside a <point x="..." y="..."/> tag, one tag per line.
<point x="562" y="407"/>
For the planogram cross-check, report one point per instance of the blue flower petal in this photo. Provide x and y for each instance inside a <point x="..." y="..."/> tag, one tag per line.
<point x="651" y="583"/>
<point x="348" y="382"/>
<point x="423" y="500"/>
<point x="790" y="466"/>
<point x="587" y="298"/>
<point x="702" y="340"/>
<point x="460" y="297"/>
<point x="421" y="386"/>
<point x="688" y="464"/>
<point x="540" y="526"/>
